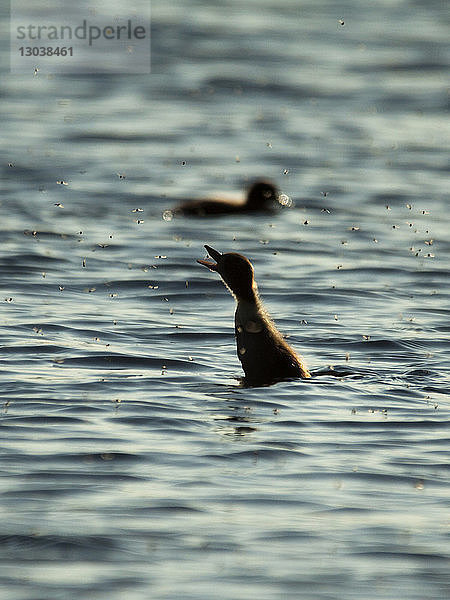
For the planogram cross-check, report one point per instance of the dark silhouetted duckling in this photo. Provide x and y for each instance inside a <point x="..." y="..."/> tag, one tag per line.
<point x="260" y="197"/>
<point x="265" y="355"/>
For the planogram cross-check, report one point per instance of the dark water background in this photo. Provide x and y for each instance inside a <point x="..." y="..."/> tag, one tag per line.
<point x="132" y="463"/>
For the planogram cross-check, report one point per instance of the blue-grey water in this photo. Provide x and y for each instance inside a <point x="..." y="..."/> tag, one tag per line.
<point x="133" y="464"/>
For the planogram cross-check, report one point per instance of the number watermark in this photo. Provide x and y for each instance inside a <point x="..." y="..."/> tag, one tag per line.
<point x="98" y="36"/>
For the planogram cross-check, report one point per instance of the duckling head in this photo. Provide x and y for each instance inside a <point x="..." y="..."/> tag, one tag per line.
<point x="261" y="194"/>
<point x="235" y="270"/>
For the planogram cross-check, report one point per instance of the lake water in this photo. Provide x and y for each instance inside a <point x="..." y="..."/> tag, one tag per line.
<point x="133" y="464"/>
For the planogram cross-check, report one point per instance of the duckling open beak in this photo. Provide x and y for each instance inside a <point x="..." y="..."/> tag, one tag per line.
<point x="213" y="254"/>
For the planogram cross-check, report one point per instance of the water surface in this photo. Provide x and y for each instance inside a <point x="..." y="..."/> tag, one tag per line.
<point x="133" y="463"/>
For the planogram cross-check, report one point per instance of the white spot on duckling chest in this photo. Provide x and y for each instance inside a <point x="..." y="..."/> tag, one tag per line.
<point x="248" y="319"/>
<point x="253" y="326"/>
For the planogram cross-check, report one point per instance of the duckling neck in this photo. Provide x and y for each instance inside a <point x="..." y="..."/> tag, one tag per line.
<point x="247" y="296"/>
